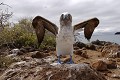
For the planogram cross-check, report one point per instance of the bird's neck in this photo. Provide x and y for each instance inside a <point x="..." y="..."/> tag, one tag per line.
<point x="67" y="26"/>
<point x="65" y="29"/>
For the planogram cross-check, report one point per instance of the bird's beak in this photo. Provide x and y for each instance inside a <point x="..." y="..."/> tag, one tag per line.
<point x="65" y="17"/>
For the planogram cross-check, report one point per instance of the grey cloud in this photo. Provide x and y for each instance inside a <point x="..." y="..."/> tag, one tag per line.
<point x="106" y="10"/>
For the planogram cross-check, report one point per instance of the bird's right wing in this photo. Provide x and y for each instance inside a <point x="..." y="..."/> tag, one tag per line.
<point x="88" y="26"/>
<point x="40" y="24"/>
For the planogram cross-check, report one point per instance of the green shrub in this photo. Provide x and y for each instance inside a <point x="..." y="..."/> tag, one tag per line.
<point x="21" y="37"/>
<point x="17" y="36"/>
<point x="26" y="38"/>
<point x="23" y="34"/>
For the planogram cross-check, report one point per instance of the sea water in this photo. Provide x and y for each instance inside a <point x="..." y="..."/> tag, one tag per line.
<point x="107" y="37"/>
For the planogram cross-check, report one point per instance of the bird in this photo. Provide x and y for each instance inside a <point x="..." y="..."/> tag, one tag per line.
<point x="65" y="33"/>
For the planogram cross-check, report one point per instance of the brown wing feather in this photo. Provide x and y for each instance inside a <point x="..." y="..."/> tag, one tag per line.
<point x="40" y="24"/>
<point x="88" y="26"/>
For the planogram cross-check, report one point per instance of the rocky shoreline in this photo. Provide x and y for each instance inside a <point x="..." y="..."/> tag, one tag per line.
<point x="98" y="60"/>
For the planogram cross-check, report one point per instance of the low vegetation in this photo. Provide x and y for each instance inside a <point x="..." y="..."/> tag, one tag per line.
<point x="22" y="34"/>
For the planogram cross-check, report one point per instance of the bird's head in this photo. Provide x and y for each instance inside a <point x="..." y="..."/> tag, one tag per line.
<point x="65" y="19"/>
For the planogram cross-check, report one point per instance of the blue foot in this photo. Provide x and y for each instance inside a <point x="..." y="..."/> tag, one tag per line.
<point x="59" y="61"/>
<point x="71" y="61"/>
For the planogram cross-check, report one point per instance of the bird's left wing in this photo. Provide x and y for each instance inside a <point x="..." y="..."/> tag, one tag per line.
<point x="40" y="24"/>
<point x="88" y="26"/>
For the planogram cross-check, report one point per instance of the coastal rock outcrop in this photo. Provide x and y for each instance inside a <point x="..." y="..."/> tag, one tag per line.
<point x="35" y="70"/>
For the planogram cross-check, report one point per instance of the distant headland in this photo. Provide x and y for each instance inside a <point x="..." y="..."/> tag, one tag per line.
<point x="117" y="33"/>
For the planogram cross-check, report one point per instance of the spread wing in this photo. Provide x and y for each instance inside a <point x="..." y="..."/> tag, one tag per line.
<point x="88" y="26"/>
<point x="40" y="24"/>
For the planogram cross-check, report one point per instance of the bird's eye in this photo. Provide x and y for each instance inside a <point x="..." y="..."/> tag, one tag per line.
<point x="68" y="14"/>
<point x="61" y="17"/>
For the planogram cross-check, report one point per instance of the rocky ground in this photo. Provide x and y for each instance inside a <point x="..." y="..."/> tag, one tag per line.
<point x="98" y="60"/>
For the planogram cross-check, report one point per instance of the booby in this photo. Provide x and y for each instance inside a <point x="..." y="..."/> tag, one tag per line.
<point x="65" y="33"/>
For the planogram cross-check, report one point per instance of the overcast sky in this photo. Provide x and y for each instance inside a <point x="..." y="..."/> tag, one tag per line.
<point x="107" y="11"/>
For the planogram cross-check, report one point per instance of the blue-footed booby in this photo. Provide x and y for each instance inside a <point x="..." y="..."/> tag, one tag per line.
<point x="65" y="33"/>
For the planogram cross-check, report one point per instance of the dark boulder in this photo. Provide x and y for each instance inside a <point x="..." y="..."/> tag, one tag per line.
<point x="80" y="44"/>
<point x="37" y="54"/>
<point x="91" y="46"/>
<point x="111" y="64"/>
<point x="100" y="65"/>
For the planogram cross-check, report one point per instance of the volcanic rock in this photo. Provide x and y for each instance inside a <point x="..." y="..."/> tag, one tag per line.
<point x="81" y="53"/>
<point x="16" y="52"/>
<point x="91" y="47"/>
<point x="100" y="65"/>
<point x="111" y="64"/>
<point x="37" y="54"/>
<point x="33" y="71"/>
<point x="78" y="52"/>
<point x="80" y="44"/>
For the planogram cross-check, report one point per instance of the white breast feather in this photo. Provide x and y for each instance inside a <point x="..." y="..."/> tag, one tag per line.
<point x="64" y="41"/>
